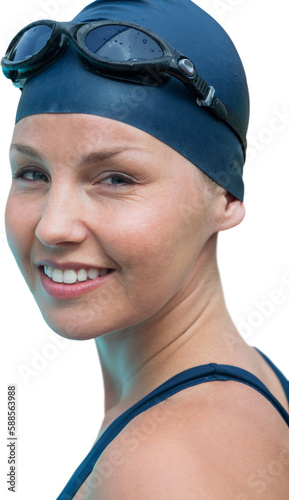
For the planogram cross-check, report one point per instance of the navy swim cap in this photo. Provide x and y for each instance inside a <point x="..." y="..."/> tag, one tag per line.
<point x="168" y="112"/>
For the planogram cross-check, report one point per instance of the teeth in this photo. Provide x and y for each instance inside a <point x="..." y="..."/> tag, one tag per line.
<point x="57" y="276"/>
<point x="49" y="271"/>
<point x="82" y="275"/>
<point x="70" y="276"/>
<point x="93" y="273"/>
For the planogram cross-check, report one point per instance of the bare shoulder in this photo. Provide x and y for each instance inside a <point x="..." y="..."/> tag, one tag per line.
<point x="217" y="440"/>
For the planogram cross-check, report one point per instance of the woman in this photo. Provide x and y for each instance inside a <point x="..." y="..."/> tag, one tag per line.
<point x="123" y="181"/>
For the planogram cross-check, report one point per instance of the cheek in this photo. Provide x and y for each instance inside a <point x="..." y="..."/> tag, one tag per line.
<point x="19" y="229"/>
<point x="156" y="249"/>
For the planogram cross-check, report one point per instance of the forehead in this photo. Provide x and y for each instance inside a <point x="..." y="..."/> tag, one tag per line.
<point x="68" y="137"/>
<point x="87" y="130"/>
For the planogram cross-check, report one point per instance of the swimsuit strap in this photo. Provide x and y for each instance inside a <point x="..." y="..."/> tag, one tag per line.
<point x="188" y="378"/>
<point x="282" y="378"/>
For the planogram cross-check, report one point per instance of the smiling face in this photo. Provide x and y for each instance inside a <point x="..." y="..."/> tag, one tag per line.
<point x="91" y="196"/>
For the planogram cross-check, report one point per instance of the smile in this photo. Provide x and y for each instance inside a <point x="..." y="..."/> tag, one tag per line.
<point x="71" y="276"/>
<point x="72" y="283"/>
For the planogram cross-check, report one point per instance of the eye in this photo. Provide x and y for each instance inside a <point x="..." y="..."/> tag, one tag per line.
<point x="117" y="180"/>
<point x="31" y="175"/>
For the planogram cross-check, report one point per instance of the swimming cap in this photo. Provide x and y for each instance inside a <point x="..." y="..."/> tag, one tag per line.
<point x="169" y="113"/>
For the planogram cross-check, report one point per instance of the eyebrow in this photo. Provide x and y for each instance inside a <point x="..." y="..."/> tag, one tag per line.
<point x="99" y="156"/>
<point x="27" y="150"/>
<point x="93" y="157"/>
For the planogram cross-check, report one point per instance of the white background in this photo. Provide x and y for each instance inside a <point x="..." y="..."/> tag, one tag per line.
<point x="59" y="382"/>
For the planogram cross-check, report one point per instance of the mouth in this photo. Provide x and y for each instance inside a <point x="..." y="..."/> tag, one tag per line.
<point x="72" y="276"/>
<point x="71" y="283"/>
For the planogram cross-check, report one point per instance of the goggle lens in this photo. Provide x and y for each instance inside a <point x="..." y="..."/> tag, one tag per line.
<point x="121" y="43"/>
<point x="30" y="43"/>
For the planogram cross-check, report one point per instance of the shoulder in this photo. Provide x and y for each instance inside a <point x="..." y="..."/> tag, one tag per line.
<point x="217" y="440"/>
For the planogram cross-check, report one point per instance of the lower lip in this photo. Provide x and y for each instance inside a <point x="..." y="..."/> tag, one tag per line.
<point x="63" y="291"/>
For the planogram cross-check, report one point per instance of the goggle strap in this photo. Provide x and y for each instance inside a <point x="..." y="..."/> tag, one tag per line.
<point x="227" y="115"/>
<point x="209" y="99"/>
<point x="221" y="111"/>
<point x="201" y="87"/>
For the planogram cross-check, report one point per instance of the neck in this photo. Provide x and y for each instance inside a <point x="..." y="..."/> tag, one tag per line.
<point x="193" y="328"/>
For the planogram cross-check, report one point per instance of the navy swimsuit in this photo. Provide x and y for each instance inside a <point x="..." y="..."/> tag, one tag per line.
<point x="188" y="378"/>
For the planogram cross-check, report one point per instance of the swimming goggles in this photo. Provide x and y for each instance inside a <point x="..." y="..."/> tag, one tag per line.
<point x="114" y="49"/>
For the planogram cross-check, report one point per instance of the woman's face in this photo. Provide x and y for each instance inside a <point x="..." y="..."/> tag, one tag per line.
<point x="91" y="196"/>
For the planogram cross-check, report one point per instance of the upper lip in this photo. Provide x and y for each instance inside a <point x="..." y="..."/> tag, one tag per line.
<point x="69" y="265"/>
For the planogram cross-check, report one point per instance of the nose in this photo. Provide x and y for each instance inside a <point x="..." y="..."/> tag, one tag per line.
<point x="60" y="221"/>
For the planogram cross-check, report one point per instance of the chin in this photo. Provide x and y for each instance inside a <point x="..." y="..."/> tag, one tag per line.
<point x="77" y="331"/>
<point x="81" y="325"/>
